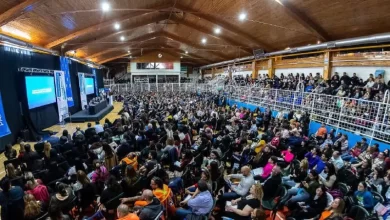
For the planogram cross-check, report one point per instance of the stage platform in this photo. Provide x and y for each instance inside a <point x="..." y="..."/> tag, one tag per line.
<point x="83" y="116"/>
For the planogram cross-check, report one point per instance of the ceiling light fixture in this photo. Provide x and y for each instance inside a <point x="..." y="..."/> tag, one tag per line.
<point x="131" y="57"/>
<point x="181" y="57"/>
<point x="117" y="26"/>
<point x="318" y="42"/>
<point x="105" y="6"/>
<point x="122" y="38"/>
<point x="217" y="30"/>
<point x="16" y="32"/>
<point x="186" y="52"/>
<point x="159" y="55"/>
<point x="242" y="16"/>
<point x="204" y="40"/>
<point x="128" y="51"/>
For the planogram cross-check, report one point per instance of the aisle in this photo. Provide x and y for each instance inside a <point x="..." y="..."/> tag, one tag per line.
<point x="71" y="127"/>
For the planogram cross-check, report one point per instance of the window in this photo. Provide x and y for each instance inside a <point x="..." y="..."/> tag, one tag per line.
<point x="161" y="66"/>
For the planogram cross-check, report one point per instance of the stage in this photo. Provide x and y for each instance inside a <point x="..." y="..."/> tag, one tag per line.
<point x="83" y="116"/>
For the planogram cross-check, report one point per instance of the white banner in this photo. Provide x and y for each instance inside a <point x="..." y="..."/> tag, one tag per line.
<point x="62" y="101"/>
<point x="83" y="93"/>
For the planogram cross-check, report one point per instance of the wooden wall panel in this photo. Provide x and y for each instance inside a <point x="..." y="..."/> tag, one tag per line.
<point x="299" y="63"/>
<point x="262" y="64"/>
<point x="361" y="60"/>
<point x="153" y="57"/>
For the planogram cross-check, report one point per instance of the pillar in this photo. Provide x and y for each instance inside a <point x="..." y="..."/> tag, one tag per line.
<point x="271" y="69"/>
<point x="327" y="74"/>
<point x="254" y="70"/>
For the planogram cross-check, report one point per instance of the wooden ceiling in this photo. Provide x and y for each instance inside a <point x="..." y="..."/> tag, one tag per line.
<point x="177" y="26"/>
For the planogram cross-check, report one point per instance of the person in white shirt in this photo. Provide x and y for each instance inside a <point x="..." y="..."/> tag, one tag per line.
<point x="336" y="160"/>
<point x="242" y="189"/>
<point x="98" y="127"/>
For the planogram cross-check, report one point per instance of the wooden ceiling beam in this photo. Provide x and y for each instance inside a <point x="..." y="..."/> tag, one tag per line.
<point x="209" y="32"/>
<point x="225" y="25"/>
<point x="305" y="21"/>
<point x="139" y="39"/>
<point x="175" y="54"/>
<point x="113" y="58"/>
<point x="98" y="26"/>
<point x="178" y="52"/>
<point x="143" y="22"/>
<point x="16" y="11"/>
<point x="190" y="44"/>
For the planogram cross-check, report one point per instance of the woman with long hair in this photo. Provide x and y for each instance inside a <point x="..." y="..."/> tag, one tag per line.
<point x="328" y="176"/>
<point x="246" y="205"/>
<point x="86" y="193"/>
<point x="335" y="209"/>
<point x="110" y="158"/>
<point x="11" y="172"/>
<point x="22" y="150"/>
<point x="46" y="151"/>
<point x="214" y="171"/>
<point x="298" y="174"/>
<point x="32" y="207"/>
<point x="128" y="180"/>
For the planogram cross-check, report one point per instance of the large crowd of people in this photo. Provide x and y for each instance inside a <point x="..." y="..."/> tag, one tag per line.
<point x="191" y="156"/>
<point x="372" y="88"/>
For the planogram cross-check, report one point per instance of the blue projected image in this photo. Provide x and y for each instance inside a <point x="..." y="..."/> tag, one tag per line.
<point x="89" y="85"/>
<point x="40" y="91"/>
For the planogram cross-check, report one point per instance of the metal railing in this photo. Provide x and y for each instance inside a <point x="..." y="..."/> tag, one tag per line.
<point x="365" y="117"/>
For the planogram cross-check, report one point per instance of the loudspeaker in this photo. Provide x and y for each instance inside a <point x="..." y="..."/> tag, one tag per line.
<point x="258" y="54"/>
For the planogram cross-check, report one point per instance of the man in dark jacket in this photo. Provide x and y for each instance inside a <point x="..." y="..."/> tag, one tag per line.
<point x="152" y="209"/>
<point x="271" y="185"/>
<point x="39" y="146"/>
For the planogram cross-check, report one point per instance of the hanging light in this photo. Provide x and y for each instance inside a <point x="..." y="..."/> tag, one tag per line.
<point x="204" y="40"/>
<point x="117" y="26"/>
<point x="105" y="6"/>
<point x="242" y="16"/>
<point x="217" y="30"/>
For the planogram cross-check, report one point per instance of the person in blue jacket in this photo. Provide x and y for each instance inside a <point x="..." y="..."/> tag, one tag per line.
<point x="364" y="197"/>
<point x="313" y="157"/>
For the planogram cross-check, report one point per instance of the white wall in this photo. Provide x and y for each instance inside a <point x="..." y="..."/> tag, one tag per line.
<point x="305" y="71"/>
<point x="175" y="71"/>
<point x="362" y="72"/>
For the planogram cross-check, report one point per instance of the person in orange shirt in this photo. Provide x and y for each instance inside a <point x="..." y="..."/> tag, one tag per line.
<point x="160" y="190"/>
<point x="131" y="159"/>
<point x="123" y="213"/>
<point x="335" y="209"/>
<point x="321" y="132"/>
